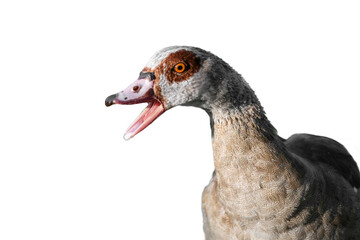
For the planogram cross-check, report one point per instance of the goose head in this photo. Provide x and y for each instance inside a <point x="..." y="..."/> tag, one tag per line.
<point x="186" y="76"/>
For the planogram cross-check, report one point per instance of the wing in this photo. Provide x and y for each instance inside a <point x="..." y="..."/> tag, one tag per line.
<point x="319" y="149"/>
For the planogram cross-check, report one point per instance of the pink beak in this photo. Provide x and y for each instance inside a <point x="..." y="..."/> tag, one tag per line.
<point x="140" y="91"/>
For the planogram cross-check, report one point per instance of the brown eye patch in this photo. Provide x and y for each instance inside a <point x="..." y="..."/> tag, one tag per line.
<point x="166" y="67"/>
<point x="181" y="65"/>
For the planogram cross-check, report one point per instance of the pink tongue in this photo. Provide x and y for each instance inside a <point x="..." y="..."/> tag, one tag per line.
<point x="153" y="110"/>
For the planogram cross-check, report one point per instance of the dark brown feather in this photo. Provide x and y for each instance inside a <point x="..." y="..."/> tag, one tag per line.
<point x="318" y="149"/>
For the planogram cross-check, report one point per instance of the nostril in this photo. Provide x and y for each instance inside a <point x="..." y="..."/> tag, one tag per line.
<point x="136" y="89"/>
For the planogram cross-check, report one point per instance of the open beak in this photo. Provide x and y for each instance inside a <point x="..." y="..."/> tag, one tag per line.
<point x="140" y="91"/>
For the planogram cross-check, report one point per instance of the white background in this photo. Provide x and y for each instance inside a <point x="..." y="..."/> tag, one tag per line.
<point x="66" y="172"/>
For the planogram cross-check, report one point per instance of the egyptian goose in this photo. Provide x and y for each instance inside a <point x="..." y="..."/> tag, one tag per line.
<point x="263" y="187"/>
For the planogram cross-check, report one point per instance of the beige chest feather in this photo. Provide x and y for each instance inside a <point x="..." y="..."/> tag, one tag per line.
<point x="253" y="179"/>
<point x="258" y="192"/>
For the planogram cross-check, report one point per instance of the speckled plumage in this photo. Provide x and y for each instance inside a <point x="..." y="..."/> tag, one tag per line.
<point x="263" y="187"/>
<point x="261" y="191"/>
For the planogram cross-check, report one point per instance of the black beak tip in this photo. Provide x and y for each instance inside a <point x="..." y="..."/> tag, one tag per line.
<point x="110" y="100"/>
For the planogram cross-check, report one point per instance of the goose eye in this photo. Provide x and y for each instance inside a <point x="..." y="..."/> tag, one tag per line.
<point x="179" y="68"/>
